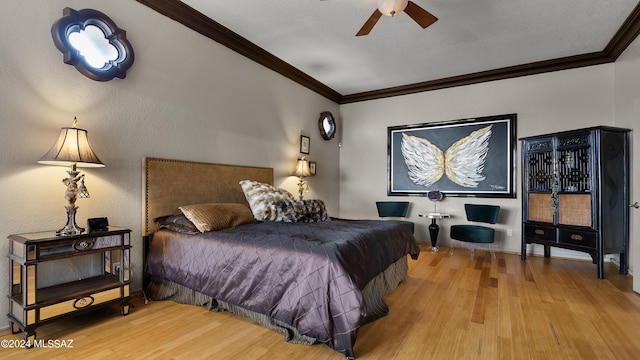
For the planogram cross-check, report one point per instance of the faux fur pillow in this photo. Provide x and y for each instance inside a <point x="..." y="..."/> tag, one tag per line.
<point x="301" y="211"/>
<point x="217" y="216"/>
<point x="313" y="211"/>
<point x="289" y="210"/>
<point x="262" y="199"/>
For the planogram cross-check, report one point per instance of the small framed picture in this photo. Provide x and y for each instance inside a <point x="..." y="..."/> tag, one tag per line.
<point x="305" y="144"/>
<point x="312" y="167"/>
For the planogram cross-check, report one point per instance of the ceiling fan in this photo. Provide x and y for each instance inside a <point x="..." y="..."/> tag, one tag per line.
<point x="393" y="7"/>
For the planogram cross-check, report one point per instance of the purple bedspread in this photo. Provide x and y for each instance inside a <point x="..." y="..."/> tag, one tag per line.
<point x="308" y="275"/>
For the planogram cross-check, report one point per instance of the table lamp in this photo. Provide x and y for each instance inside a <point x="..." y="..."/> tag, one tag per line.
<point x="72" y="149"/>
<point x="302" y="171"/>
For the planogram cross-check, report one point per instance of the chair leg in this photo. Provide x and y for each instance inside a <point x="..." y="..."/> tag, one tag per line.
<point x="472" y="249"/>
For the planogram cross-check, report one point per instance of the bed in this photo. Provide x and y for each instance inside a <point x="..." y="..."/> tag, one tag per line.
<point x="316" y="282"/>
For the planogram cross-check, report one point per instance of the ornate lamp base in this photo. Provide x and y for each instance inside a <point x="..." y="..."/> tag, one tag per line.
<point x="71" y="228"/>
<point x="302" y="183"/>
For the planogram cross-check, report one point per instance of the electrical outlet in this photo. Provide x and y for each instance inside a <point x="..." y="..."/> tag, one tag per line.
<point x="116" y="268"/>
<point x="509" y="232"/>
<point x="614" y="261"/>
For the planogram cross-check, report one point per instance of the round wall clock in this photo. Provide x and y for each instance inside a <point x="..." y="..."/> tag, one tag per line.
<point x="327" y="125"/>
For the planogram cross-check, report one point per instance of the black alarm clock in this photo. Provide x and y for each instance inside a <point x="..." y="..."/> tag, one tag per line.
<point x="98" y="224"/>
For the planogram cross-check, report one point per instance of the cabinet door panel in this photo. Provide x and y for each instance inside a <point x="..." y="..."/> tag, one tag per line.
<point x="574" y="170"/>
<point x="574" y="209"/>
<point x="540" y="208"/>
<point x="539" y="170"/>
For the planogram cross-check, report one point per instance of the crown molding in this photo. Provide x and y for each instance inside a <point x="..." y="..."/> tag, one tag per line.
<point x="540" y="67"/>
<point x="625" y="35"/>
<point x="206" y="26"/>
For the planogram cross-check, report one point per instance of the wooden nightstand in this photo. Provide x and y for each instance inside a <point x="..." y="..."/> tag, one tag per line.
<point x="31" y="304"/>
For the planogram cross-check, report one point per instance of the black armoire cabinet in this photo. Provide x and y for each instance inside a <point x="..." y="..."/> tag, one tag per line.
<point x="576" y="193"/>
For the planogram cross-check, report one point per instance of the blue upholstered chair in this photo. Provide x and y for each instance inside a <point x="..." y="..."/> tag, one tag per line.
<point x="476" y="235"/>
<point x="395" y="209"/>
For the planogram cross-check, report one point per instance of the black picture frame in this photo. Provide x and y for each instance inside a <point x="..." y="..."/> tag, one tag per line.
<point x="312" y="168"/>
<point x="448" y="156"/>
<point x="305" y="144"/>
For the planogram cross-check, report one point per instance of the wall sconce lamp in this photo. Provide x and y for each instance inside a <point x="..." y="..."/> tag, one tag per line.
<point x="72" y="149"/>
<point x="302" y="171"/>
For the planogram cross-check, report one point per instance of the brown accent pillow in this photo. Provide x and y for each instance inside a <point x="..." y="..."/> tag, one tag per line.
<point x="217" y="216"/>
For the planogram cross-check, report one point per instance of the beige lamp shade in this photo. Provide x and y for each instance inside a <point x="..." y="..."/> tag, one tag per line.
<point x="72" y="147"/>
<point x="302" y="168"/>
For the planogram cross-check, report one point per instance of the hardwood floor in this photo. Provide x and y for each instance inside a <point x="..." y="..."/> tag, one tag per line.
<point x="451" y="307"/>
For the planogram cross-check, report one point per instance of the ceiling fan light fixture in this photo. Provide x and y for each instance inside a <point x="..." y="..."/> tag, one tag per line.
<point x="392" y="7"/>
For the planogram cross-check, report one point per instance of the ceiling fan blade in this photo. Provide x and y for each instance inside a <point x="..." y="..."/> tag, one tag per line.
<point x="420" y="15"/>
<point x="371" y="22"/>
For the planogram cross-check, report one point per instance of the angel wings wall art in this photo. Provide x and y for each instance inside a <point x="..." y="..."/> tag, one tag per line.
<point x="469" y="157"/>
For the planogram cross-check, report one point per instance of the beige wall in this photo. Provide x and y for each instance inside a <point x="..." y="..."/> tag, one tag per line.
<point x="544" y="103"/>
<point x="186" y="97"/>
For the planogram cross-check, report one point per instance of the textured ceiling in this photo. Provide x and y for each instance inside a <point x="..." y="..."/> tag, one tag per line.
<point x="317" y="37"/>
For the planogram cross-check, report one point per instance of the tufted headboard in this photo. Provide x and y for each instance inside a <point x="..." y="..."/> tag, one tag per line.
<point x="168" y="184"/>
